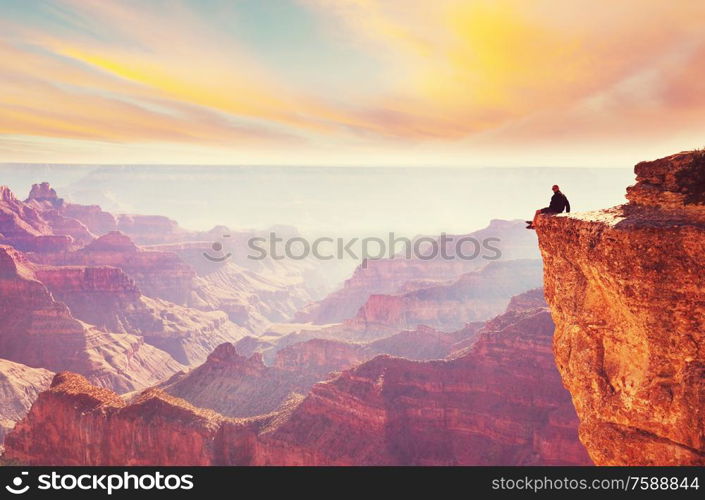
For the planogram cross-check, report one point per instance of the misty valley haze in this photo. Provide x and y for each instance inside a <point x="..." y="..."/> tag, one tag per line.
<point x="346" y="201"/>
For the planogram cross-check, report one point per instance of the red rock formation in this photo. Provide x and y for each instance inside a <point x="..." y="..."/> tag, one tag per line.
<point x="237" y="386"/>
<point x="41" y="332"/>
<point x="43" y="192"/>
<point x="424" y="343"/>
<point x="160" y="275"/>
<point x="253" y="293"/>
<point x="20" y="225"/>
<point x="51" y="228"/>
<point x="65" y="227"/>
<point x="391" y="276"/>
<point x="474" y="296"/>
<point x="107" y="298"/>
<point x="106" y="281"/>
<point x="252" y="299"/>
<point x="150" y="229"/>
<point x="53" y="231"/>
<point x="320" y="357"/>
<point x="19" y="387"/>
<point x="114" y="241"/>
<point x="38" y="224"/>
<point x="93" y="217"/>
<point x="145" y="229"/>
<point x="501" y="402"/>
<point x="44" y="199"/>
<point x="155" y="429"/>
<point x="527" y="300"/>
<point x="626" y="288"/>
<point x="421" y="344"/>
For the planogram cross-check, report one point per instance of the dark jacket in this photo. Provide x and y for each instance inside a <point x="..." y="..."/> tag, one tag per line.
<point x="559" y="202"/>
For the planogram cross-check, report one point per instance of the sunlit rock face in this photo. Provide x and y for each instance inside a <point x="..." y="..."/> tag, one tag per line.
<point x="626" y="287"/>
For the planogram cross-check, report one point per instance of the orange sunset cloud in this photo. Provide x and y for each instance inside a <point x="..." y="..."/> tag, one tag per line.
<point x="339" y="81"/>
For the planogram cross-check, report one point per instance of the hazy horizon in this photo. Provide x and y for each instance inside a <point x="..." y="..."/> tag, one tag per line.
<point x="350" y="201"/>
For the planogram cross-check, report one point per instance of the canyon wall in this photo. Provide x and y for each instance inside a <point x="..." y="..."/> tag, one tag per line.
<point x="498" y="401"/>
<point x="157" y="274"/>
<point x="626" y="287"/>
<point x="154" y="429"/>
<point x="39" y="331"/>
<point x="108" y="299"/>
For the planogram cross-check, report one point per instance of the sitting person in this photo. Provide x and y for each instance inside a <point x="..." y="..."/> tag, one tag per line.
<point x="559" y="202"/>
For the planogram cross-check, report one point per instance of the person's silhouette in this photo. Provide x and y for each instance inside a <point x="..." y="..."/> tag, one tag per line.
<point x="559" y="202"/>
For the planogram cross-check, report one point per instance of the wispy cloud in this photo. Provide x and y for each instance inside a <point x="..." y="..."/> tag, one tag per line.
<point x="472" y="75"/>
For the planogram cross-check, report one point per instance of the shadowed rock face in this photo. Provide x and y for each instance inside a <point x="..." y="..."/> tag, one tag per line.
<point x="497" y="402"/>
<point x="240" y="386"/>
<point x="626" y="288"/>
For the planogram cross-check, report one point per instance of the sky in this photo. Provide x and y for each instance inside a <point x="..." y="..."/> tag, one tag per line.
<point x="351" y="82"/>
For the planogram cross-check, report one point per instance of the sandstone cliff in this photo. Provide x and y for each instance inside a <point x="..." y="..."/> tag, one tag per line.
<point x="626" y="288"/>
<point x="24" y="227"/>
